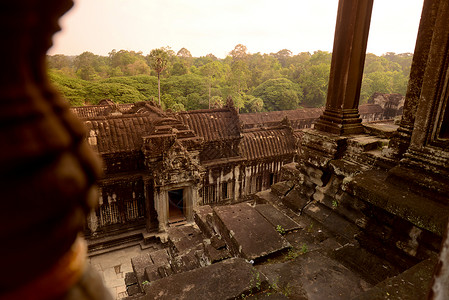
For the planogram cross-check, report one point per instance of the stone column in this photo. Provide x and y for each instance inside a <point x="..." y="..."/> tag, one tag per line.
<point x="348" y="58"/>
<point x="425" y="165"/>
<point x="188" y="203"/>
<point x="401" y="140"/>
<point x="161" y="205"/>
<point x="150" y="210"/>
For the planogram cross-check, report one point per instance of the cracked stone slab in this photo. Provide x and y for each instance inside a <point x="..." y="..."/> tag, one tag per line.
<point x="228" y="279"/>
<point x="247" y="233"/>
<point x="276" y="217"/>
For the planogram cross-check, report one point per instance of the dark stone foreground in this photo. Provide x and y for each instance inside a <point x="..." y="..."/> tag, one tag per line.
<point x="318" y="264"/>
<point x="229" y="279"/>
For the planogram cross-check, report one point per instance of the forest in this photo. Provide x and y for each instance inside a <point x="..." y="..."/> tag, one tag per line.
<point x="256" y="82"/>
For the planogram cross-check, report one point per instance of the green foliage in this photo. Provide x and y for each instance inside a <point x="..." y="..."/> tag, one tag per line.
<point x="117" y="92"/>
<point x="128" y="63"/>
<point x="70" y="88"/>
<point x="383" y="82"/>
<point x="185" y="85"/>
<point x="158" y="60"/>
<point x="276" y="287"/>
<point x="195" y="101"/>
<point x="256" y="82"/>
<point x="145" y="84"/>
<point x="279" y="94"/>
<point x="304" y="249"/>
<point x="314" y="81"/>
<point x="280" y="229"/>
<point x="251" y="104"/>
<point x="294" y="252"/>
<point x="217" y="102"/>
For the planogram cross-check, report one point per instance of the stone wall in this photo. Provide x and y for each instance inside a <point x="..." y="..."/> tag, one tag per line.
<point x="342" y="183"/>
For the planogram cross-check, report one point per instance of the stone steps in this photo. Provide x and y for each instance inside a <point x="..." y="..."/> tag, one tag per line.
<point x="342" y="220"/>
<point x="410" y="284"/>
<point x="229" y="279"/>
<point x="370" y="267"/>
<point x="116" y="242"/>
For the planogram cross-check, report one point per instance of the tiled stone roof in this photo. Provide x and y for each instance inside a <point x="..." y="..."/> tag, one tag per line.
<point x="118" y="134"/>
<point x="212" y="125"/>
<point x="92" y="111"/>
<point x="297" y="117"/>
<point x="267" y="142"/>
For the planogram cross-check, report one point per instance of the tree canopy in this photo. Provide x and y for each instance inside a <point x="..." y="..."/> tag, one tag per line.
<point x="256" y="82"/>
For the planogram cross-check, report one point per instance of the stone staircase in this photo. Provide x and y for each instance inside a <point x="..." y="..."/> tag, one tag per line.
<point x="368" y="253"/>
<point x="114" y="242"/>
<point x="184" y="251"/>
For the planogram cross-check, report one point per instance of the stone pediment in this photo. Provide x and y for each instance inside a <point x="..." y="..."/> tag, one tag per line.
<point x="177" y="165"/>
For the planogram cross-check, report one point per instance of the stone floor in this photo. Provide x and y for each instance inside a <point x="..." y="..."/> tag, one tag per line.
<point x="113" y="266"/>
<point x="311" y="268"/>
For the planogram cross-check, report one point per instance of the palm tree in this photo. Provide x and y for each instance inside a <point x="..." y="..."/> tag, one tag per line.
<point x="158" y="59"/>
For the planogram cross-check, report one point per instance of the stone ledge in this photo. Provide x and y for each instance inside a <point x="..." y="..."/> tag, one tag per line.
<point x="247" y="233"/>
<point x="372" y="187"/>
<point x="411" y="284"/>
<point x="225" y="280"/>
<point x="385" y="130"/>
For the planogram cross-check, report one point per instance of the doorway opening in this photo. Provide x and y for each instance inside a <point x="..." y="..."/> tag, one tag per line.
<point x="176" y="207"/>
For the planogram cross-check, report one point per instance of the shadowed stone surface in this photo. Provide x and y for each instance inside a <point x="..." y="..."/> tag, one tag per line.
<point x="314" y="276"/>
<point x="275" y="217"/>
<point x="295" y="200"/>
<point x="225" y="280"/>
<point x="200" y="218"/>
<point x="247" y="233"/>
<point x="417" y="279"/>
<point x="418" y="210"/>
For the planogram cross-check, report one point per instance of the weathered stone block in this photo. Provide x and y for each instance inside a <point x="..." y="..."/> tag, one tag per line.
<point x="139" y="264"/>
<point x="295" y="200"/>
<point x="425" y="213"/>
<point x="160" y="257"/>
<point x="247" y="233"/>
<point x="317" y="212"/>
<point x="130" y="278"/>
<point x="315" y="175"/>
<point x="152" y="273"/>
<point x="345" y="168"/>
<point x="372" y="268"/>
<point x="413" y="283"/>
<point x="133" y="290"/>
<point x="224" y="280"/>
<point x="276" y="217"/>
<point x="290" y="172"/>
<point x="281" y="188"/>
<point x="216" y="255"/>
<point x="362" y="143"/>
<point x="200" y="215"/>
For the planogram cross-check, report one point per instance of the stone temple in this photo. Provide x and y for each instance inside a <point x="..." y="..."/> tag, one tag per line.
<point x="213" y="204"/>
<point x="160" y="166"/>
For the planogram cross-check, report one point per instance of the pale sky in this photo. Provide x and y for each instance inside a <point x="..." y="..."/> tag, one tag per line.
<point x="208" y="26"/>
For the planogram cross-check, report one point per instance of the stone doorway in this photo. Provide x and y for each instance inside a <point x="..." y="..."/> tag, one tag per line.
<point x="176" y="206"/>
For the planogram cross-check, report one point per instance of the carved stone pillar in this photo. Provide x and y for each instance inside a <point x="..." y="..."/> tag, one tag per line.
<point x="425" y="166"/>
<point x="150" y="209"/>
<point x="348" y="58"/>
<point x="401" y="139"/>
<point x="47" y="170"/>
